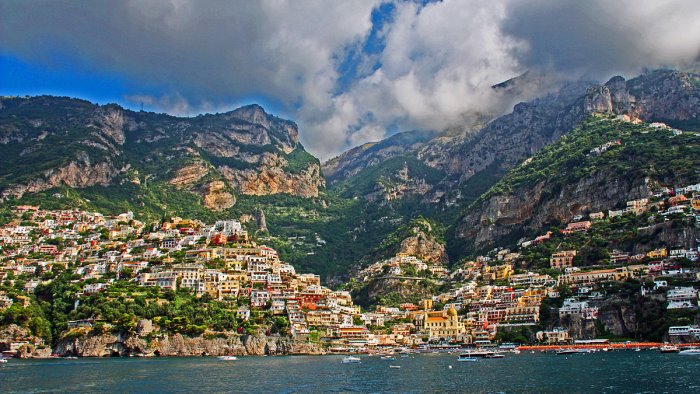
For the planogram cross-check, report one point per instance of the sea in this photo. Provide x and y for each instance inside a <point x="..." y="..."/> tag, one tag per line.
<point x="603" y="372"/>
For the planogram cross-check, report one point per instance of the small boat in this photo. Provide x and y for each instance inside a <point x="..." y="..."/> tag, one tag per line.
<point x="388" y="358"/>
<point x="638" y="350"/>
<point x="351" y="360"/>
<point x="669" y="349"/>
<point x="227" y="358"/>
<point x="395" y="366"/>
<point x="516" y="351"/>
<point x="71" y="358"/>
<point x="3" y="360"/>
<point x="572" y="351"/>
<point x="466" y="357"/>
<point x="690" y="352"/>
<point x="494" y="355"/>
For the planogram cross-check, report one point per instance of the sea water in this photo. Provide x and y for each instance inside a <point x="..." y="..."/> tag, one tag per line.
<point x="603" y="372"/>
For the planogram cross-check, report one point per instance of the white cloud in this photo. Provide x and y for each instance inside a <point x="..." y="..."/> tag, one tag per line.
<point x="435" y="69"/>
<point x="438" y="65"/>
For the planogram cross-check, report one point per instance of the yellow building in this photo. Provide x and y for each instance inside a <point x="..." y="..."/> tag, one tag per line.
<point x="658" y="253"/>
<point x="441" y="324"/>
<point x="562" y="259"/>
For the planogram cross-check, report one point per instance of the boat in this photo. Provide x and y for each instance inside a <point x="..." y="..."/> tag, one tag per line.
<point x="395" y="366"/>
<point x="494" y="355"/>
<point x="351" y="360"/>
<point x="388" y="358"/>
<point x="3" y="360"/>
<point x="690" y="352"/>
<point x="227" y="358"/>
<point x="71" y="358"/>
<point x="572" y="351"/>
<point x="466" y="357"/>
<point x="669" y="349"/>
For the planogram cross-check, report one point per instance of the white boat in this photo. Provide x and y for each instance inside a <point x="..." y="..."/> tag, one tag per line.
<point x="227" y="358"/>
<point x="690" y="352"/>
<point x="388" y="358"/>
<point x="572" y="351"/>
<point x="3" y="360"/>
<point x="395" y="366"/>
<point x="494" y="355"/>
<point x="466" y="357"/>
<point x="351" y="360"/>
<point x="668" y="349"/>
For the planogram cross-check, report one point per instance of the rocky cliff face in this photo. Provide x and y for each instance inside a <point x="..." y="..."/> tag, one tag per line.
<point x="217" y="198"/>
<point x="524" y="210"/>
<point x="424" y="246"/>
<point x="106" y="345"/>
<point x="270" y="177"/>
<point x="79" y="173"/>
<point x="509" y="139"/>
<point x="47" y="142"/>
<point x="34" y="346"/>
<point x="530" y="209"/>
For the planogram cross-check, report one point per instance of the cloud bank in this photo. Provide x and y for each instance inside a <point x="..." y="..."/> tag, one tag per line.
<point x="347" y="71"/>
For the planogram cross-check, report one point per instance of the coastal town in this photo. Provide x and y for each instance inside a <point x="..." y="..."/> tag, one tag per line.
<point x="221" y="262"/>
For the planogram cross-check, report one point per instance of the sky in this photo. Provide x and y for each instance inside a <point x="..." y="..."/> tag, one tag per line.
<point x="347" y="72"/>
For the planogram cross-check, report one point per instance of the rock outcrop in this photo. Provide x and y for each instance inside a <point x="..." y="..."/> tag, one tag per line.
<point x="79" y="173"/>
<point x="275" y="180"/>
<point x="106" y="345"/>
<point x="217" y="198"/>
<point x="424" y="246"/>
<point x="530" y="209"/>
<point x="189" y="174"/>
<point x="33" y="347"/>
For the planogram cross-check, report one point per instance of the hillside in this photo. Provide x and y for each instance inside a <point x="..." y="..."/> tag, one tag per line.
<point x="597" y="167"/>
<point x="459" y="165"/>
<point x="209" y="160"/>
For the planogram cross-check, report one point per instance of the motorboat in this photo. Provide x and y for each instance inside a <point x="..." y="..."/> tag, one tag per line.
<point x="466" y="357"/>
<point x="494" y="355"/>
<point x="572" y="351"/>
<point x="395" y="366"/>
<point x="351" y="360"/>
<point x="669" y="349"/>
<point x="227" y="358"/>
<point x="690" y="352"/>
<point x="388" y="358"/>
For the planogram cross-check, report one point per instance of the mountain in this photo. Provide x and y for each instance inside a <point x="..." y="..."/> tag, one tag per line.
<point x="451" y="160"/>
<point x="48" y="143"/>
<point x="600" y="166"/>
<point x="61" y="152"/>
<point x="440" y="174"/>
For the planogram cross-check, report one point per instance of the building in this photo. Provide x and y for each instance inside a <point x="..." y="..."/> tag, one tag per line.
<point x="577" y="227"/>
<point x="557" y="335"/>
<point x="682" y="297"/>
<point x="562" y="259"/>
<point x="441" y="324"/>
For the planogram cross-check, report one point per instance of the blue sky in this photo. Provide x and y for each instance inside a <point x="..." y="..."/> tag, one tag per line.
<point x="346" y="72"/>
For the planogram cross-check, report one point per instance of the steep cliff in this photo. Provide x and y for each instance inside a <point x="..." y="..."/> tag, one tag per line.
<point x="53" y="142"/>
<point x="571" y="178"/>
<point x="106" y="345"/>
